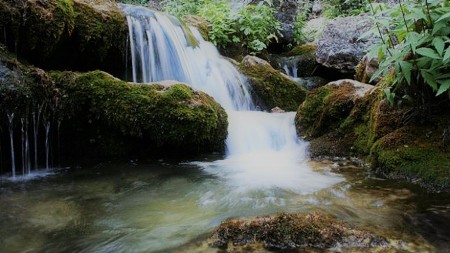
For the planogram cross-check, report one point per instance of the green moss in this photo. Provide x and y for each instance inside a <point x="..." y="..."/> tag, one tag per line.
<point x="44" y="25"/>
<point x="127" y="116"/>
<point x="409" y="153"/>
<point x="311" y="109"/>
<point x="287" y="231"/>
<point x="100" y="32"/>
<point x="272" y="88"/>
<point x="302" y="50"/>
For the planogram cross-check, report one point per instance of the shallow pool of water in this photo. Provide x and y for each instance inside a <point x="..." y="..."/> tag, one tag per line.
<point x="162" y="206"/>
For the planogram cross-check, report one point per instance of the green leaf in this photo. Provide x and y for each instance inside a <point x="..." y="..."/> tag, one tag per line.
<point x="429" y="79"/>
<point x="438" y="26"/>
<point x="428" y="52"/>
<point x="447" y="54"/>
<point x="439" y="44"/>
<point x="445" y="16"/>
<point x="406" y="70"/>
<point x="389" y="96"/>
<point x="445" y="85"/>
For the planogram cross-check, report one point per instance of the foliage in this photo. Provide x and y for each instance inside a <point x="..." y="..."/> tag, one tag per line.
<point x="416" y="46"/>
<point x="300" y="20"/>
<point x="258" y="25"/>
<point x="218" y="14"/>
<point x="254" y="26"/>
<point x="182" y="8"/>
<point x="336" y="8"/>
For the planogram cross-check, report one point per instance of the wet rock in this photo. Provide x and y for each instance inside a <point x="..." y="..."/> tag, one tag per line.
<point x="299" y="62"/>
<point x="107" y="117"/>
<point x="277" y="110"/>
<point x="271" y="87"/>
<point x="365" y="69"/>
<point x="312" y="82"/>
<point x="326" y="107"/>
<point x="53" y="214"/>
<point x="62" y="34"/>
<point x="340" y="47"/>
<point x="354" y="119"/>
<point x="293" y="231"/>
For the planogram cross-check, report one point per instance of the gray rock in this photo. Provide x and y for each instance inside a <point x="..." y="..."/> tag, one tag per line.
<point x="339" y="47"/>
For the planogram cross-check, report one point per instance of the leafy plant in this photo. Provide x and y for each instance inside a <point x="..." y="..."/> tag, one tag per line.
<point x="300" y="20"/>
<point x="415" y="45"/>
<point x="258" y="25"/>
<point x="219" y="15"/>
<point x="182" y="8"/>
<point x="336" y="8"/>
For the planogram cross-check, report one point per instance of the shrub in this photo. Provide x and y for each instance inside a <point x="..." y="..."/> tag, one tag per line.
<point x="415" y="45"/>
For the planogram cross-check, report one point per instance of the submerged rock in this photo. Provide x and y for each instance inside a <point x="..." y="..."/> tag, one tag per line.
<point x="293" y="231"/>
<point x="340" y="46"/>
<point x="271" y="87"/>
<point x="110" y="117"/>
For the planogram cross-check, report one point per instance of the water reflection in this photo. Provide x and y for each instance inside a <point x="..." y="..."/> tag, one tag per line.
<point x="164" y="206"/>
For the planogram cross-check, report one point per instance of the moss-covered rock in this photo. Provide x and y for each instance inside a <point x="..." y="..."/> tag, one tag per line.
<point x="415" y="152"/>
<point x="400" y="142"/>
<point x="110" y="117"/>
<point x="270" y="87"/>
<point x="327" y="107"/>
<point x="62" y="34"/>
<point x="292" y="231"/>
<point x="28" y="98"/>
<point x="202" y="25"/>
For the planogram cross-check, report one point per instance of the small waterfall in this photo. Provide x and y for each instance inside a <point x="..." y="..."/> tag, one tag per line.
<point x="26" y="161"/>
<point x="263" y="150"/>
<point x="11" y="139"/>
<point x="163" y="48"/>
<point x="47" y="145"/>
<point x="36" y="118"/>
<point x="290" y="65"/>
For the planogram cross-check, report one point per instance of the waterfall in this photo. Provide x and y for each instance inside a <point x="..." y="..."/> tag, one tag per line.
<point x="263" y="150"/>
<point x="290" y="65"/>
<point x="47" y="145"/>
<point x="163" y="48"/>
<point x="11" y="139"/>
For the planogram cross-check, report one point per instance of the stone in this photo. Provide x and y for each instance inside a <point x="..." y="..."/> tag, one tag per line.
<point x="339" y="47"/>
<point x="269" y="87"/>
<point x="293" y="231"/>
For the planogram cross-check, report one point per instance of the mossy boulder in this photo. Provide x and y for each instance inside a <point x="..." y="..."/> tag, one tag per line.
<point x="28" y="100"/>
<point x="66" y="34"/>
<point x="294" y="231"/>
<point x="417" y="152"/>
<point x="270" y="87"/>
<point x="398" y="141"/>
<point x="327" y="107"/>
<point x="109" y="117"/>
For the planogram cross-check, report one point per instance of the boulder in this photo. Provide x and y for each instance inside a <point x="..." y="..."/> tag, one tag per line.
<point x="354" y="119"/>
<point x="108" y="117"/>
<point x="339" y="47"/>
<point x="287" y="232"/>
<point x="325" y="108"/>
<point x="66" y="34"/>
<point x="270" y="87"/>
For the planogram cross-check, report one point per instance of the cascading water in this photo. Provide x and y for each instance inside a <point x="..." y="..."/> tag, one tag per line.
<point x="263" y="150"/>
